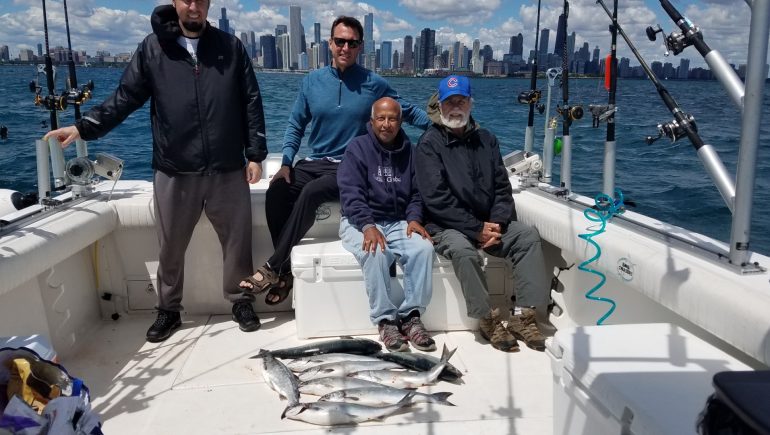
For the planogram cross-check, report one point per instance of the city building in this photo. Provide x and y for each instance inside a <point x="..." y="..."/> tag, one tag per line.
<point x="224" y="23"/>
<point x="295" y="35"/>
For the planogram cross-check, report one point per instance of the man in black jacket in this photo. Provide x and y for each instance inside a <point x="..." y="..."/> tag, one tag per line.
<point x="469" y="206"/>
<point x="206" y="114"/>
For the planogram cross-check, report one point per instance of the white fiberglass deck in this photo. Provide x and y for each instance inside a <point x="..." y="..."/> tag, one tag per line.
<point x="201" y="381"/>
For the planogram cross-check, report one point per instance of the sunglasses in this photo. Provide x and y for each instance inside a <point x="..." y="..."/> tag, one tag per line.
<point x="352" y="43"/>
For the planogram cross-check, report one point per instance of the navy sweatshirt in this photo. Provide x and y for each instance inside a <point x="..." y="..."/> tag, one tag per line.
<point x="377" y="184"/>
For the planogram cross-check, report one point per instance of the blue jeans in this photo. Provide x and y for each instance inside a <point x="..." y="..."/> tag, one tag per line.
<point x="416" y="259"/>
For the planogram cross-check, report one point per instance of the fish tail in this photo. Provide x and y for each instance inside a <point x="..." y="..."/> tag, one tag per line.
<point x="446" y="354"/>
<point x="441" y="398"/>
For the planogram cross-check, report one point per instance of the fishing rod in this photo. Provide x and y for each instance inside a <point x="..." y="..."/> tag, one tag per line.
<point x="51" y="102"/>
<point x="74" y="95"/>
<point x="602" y="112"/>
<point x="682" y="125"/>
<point x="532" y="96"/>
<point x="567" y="113"/>
<point x="690" y="34"/>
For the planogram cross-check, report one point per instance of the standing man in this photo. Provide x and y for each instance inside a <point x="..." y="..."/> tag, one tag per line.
<point x="469" y="206"/>
<point x="206" y="114"/>
<point x="336" y="102"/>
<point x="381" y="211"/>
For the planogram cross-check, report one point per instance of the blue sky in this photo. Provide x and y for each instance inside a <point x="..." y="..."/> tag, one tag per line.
<point x="118" y="25"/>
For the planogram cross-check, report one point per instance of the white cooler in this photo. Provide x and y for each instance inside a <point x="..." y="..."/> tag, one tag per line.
<point x="632" y="379"/>
<point x="330" y="298"/>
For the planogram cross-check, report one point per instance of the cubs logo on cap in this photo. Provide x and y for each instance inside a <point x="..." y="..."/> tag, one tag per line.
<point x="454" y="85"/>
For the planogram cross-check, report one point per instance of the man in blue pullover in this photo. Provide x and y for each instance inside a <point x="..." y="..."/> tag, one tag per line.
<point x="335" y="102"/>
<point x="381" y="212"/>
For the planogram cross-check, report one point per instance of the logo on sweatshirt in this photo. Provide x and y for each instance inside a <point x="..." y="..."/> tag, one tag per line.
<point x="386" y="174"/>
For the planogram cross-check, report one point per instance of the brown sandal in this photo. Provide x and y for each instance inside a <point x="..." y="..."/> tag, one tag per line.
<point x="281" y="289"/>
<point x="258" y="285"/>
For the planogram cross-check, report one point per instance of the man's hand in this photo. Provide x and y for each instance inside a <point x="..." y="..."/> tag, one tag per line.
<point x="282" y="173"/>
<point x="253" y="172"/>
<point x="372" y="238"/>
<point x="490" y="235"/>
<point x="65" y="135"/>
<point x="415" y="227"/>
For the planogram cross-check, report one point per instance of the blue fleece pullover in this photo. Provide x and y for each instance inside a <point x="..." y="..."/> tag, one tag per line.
<point x="377" y="184"/>
<point x="337" y="107"/>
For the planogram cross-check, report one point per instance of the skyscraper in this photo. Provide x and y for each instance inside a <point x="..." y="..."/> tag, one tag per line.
<point x="561" y="35"/>
<point x="254" y="44"/>
<point x="543" y="49"/>
<point x="295" y="35"/>
<point x="224" y="23"/>
<point x="280" y="30"/>
<point x="317" y="33"/>
<point x="386" y="55"/>
<point x="369" y="33"/>
<point x="284" y="42"/>
<point x="408" y="54"/>
<point x="517" y="45"/>
<point x="427" y="48"/>
<point x="40" y="49"/>
<point x="267" y="42"/>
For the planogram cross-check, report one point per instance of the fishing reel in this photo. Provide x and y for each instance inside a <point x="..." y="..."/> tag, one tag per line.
<point x="80" y="171"/>
<point x="50" y="102"/>
<point x="601" y="113"/>
<point x="572" y="113"/>
<point x="673" y="130"/>
<point x="79" y="96"/>
<point x="676" y="42"/>
<point x="532" y="96"/>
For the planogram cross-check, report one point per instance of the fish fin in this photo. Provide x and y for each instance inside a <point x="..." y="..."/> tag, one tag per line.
<point x="441" y="398"/>
<point x="262" y="353"/>
<point x="283" y="414"/>
<point x="406" y="400"/>
<point x="346" y="337"/>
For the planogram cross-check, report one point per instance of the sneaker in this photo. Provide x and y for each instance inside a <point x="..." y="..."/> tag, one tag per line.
<point x="415" y="331"/>
<point x="244" y="315"/>
<point x="493" y="330"/>
<point x="391" y="337"/>
<point x="524" y="327"/>
<point x="164" y="325"/>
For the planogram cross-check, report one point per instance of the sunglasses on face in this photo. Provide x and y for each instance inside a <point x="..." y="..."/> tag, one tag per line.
<point x="352" y="43"/>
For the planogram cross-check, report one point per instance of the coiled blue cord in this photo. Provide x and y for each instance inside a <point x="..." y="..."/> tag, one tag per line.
<point x="603" y="211"/>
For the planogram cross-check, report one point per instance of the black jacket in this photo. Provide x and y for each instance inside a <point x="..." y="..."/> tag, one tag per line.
<point x="463" y="181"/>
<point x="205" y="116"/>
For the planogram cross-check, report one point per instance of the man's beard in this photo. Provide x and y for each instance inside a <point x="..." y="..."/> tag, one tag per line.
<point x="454" y="122"/>
<point x="193" y="26"/>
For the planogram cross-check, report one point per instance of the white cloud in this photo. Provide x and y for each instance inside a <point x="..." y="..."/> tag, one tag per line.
<point x="456" y="12"/>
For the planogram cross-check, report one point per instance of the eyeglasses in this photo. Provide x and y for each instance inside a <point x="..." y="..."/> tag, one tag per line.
<point x="352" y="43"/>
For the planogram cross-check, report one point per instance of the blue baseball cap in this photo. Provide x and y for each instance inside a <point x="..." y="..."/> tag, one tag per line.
<point x="454" y="85"/>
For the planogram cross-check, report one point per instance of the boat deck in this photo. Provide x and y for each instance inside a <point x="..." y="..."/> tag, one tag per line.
<point x="201" y="381"/>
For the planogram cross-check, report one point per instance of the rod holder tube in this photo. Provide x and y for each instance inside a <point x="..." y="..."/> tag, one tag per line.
<point x="752" y="119"/>
<point x="727" y="76"/>
<point x="43" y="169"/>
<point x="529" y="138"/>
<point x="566" y="163"/>
<point x="609" y="169"/>
<point x="550" y="133"/>
<point x="82" y="148"/>
<point x="718" y="173"/>
<point x="57" y="163"/>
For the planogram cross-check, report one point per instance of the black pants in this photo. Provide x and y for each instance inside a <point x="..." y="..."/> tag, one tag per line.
<point x="290" y="208"/>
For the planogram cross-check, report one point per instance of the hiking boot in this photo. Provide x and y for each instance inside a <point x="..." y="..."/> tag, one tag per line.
<point x="524" y="327"/>
<point x="415" y="331"/>
<point x="493" y="330"/>
<point x="165" y="324"/>
<point x="244" y="315"/>
<point x="391" y="337"/>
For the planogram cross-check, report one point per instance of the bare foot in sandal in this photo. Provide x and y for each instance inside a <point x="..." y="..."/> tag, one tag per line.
<point x="263" y="279"/>
<point x="280" y="290"/>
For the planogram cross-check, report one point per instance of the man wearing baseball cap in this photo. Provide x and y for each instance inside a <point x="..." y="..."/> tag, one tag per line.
<point x="469" y="206"/>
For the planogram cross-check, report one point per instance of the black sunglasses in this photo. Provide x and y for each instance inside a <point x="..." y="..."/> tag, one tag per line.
<point x="352" y="43"/>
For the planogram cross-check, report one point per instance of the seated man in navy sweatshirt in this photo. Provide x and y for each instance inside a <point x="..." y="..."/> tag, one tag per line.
<point x="381" y="212"/>
<point x="334" y="103"/>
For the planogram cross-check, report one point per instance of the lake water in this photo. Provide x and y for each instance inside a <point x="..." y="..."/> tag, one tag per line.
<point x="665" y="180"/>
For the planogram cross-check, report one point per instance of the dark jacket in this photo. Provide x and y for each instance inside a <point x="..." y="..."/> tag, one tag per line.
<point x="377" y="184"/>
<point x="462" y="181"/>
<point x="205" y="116"/>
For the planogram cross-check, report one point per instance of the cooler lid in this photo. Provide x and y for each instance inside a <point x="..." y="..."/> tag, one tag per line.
<point x="659" y="371"/>
<point x="311" y="252"/>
